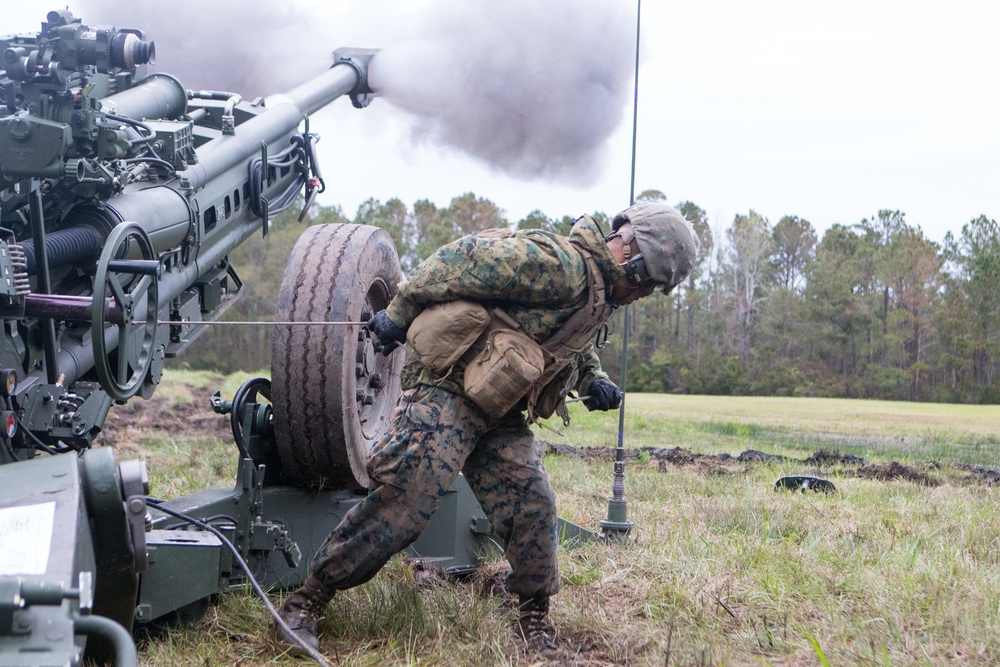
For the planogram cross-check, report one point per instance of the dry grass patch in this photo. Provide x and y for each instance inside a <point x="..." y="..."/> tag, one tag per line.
<point x="899" y="567"/>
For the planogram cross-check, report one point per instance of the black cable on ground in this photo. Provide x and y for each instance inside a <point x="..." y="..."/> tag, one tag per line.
<point x="310" y="651"/>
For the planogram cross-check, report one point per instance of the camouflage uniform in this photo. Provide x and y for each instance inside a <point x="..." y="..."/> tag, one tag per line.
<point x="540" y="280"/>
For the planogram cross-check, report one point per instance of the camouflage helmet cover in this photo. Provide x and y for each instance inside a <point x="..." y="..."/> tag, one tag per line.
<point x="665" y="238"/>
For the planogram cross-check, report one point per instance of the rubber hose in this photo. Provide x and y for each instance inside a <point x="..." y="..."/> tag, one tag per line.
<point x="66" y="246"/>
<point x="125" y="651"/>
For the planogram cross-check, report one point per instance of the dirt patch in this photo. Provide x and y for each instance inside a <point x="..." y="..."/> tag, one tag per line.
<point x="676" y="456"/>
<point x="823" y="458"/>
<point x="595" y="648"/>
<point x="706" y="465"/>
<point x="980" y="474"/>
<point x="829" y="462"/>
<point x="889" y="471"/>
<point x="719" y="464"/>
<point x="585" y="453"/>
<point x="752" y="455"/>
<point x="192" y="418"/>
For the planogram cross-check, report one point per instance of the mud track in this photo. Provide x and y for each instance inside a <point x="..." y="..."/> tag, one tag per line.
<point x="820" y="463"/>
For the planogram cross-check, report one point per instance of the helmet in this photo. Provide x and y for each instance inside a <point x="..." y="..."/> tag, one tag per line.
<point x="666" y="243"/>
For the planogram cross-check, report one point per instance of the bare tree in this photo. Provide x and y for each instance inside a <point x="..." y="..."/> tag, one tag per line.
<point x="699" y="220"/>
<point x="748" y="270"/>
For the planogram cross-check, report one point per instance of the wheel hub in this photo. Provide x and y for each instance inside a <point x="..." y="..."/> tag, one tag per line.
<point x="370" y="373"/>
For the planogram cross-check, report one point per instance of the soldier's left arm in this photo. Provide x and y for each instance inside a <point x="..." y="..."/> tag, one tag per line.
<point x="589" y="367"/>
<point x="489" y="269"/>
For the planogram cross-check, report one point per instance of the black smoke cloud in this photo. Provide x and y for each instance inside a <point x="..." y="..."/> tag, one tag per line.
<point x="532" y="88"/>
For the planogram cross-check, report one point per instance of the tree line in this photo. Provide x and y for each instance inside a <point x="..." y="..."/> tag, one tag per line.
<point x="868" y="310"/>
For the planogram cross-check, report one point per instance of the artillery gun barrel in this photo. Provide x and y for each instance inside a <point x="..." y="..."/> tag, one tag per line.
<point x="335" y="82"/>
<point x="284" y="114"/>
<point x="169" y="213"/>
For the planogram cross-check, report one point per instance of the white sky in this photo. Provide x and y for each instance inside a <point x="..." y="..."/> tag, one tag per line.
<point x="826" y="111"/>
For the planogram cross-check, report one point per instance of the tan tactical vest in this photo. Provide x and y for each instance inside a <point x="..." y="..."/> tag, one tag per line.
<point x="562" y="349"/>
<point x="504" y="365"/>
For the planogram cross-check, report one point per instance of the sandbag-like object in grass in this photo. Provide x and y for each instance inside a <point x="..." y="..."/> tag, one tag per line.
<point x="804" y="483"/>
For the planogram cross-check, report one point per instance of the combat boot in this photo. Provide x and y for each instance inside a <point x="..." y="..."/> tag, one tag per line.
<point x="301" y="612"/>
<point x="534" y="627"/>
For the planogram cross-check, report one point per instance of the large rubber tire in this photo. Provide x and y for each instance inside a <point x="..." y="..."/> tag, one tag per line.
<point x="332" y="393"/>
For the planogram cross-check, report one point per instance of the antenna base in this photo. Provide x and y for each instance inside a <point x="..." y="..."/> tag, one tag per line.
<point x="616" y="527"/>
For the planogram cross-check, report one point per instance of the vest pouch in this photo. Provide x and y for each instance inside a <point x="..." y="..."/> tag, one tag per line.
<point x="553" y="393"/>
<point x="503" y="373"/>
<point x="441" y="334"/>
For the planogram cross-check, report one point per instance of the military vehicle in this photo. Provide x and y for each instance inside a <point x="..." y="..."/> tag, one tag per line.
<point x="121" y="196"/>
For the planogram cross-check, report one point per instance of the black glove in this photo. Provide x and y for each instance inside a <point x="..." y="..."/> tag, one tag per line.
<point x="389" y="335"/>
<point x="603" y="395"/>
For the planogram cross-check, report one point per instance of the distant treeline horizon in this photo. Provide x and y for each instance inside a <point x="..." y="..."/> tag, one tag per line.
<point x="871" y="310"/>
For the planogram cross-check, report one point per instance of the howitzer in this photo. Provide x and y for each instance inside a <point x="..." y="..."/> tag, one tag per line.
<point x="121" y="197"/>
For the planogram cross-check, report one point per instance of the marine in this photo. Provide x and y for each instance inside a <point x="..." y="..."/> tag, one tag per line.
<point x="554" y="292"/>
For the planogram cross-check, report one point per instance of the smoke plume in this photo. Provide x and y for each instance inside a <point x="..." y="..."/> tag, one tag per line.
<point x="533" y="88"/>
<point x="247" y="48"/>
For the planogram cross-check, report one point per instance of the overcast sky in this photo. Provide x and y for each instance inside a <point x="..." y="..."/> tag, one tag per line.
<point x="829" y="112"/>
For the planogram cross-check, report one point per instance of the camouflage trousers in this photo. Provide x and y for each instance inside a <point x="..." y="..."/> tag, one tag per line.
<point x="436" y="434"/>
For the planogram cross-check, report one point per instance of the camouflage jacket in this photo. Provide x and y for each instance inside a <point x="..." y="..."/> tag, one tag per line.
<point x="537" y="277"/>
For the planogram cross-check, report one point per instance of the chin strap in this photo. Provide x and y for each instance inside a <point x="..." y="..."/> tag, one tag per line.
<point x="634" y="264"/>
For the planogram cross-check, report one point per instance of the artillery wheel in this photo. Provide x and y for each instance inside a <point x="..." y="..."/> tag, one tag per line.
<point x="122" y="374"/>
<point x="333" y="394"/>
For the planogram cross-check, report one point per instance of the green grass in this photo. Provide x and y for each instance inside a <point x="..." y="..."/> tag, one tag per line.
<point x="720" y="569"/>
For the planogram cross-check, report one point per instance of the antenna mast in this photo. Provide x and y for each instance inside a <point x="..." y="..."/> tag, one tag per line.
<point x="617" y="526"/>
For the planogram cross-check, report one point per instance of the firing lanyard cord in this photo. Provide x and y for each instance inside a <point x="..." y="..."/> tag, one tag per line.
<point x="250" y="323"/>
<point x="312" y="653"/>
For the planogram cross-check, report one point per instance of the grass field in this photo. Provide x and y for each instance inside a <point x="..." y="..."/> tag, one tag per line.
<point x="892" y="569"/>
